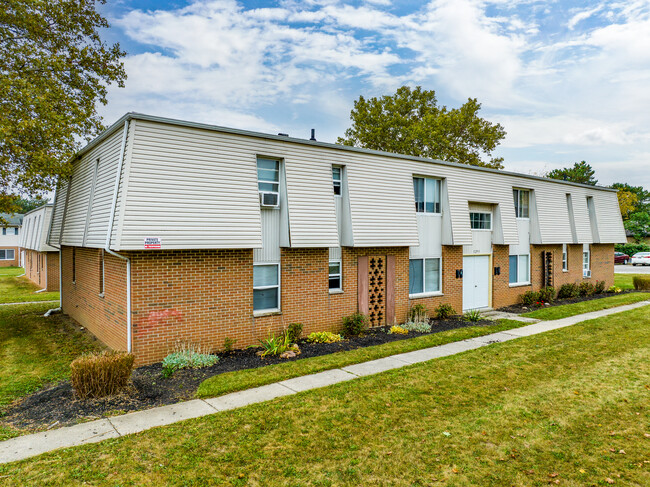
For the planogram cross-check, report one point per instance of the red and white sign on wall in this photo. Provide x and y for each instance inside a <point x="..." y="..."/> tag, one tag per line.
<point x="152" y="243"/>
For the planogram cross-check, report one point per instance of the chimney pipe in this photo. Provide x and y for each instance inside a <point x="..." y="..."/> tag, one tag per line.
<point x="313" y="135"/>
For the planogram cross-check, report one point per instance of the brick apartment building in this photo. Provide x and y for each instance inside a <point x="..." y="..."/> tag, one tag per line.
<point x="9" y="239"/>
<point x="40" y="260"/>
<point x="173" y="230"/>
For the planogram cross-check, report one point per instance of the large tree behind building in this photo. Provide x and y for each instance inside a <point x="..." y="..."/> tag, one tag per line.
<point x="411" y="122"/>
<point x="580" y="172"/>
<point x="54" y="71"/>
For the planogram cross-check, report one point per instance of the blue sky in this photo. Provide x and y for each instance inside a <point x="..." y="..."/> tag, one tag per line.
<point x="569" y="81"/>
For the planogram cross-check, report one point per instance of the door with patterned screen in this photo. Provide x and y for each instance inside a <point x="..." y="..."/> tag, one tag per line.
<point x="376" y="288"/>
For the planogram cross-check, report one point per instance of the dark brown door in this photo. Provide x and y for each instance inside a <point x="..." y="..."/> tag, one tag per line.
<point x="376" y="296"/>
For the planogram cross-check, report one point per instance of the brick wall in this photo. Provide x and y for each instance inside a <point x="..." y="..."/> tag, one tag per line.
<point x="42" y="268"/>
<point x="11" y="263"/>
<point x="105" y="316"/>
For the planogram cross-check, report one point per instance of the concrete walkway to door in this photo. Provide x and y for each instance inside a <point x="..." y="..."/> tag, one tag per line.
<point x="31" y="445"/>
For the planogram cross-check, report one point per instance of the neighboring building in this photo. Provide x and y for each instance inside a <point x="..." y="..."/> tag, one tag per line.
<point x="217" y="233"/>
<point x="630" y="238"/>
<point x="9" y="239"/>
<point x="40" y="260"/>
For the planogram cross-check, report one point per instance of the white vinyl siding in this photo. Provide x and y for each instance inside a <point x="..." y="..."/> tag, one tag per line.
<point x="57" y="212"/>
<point x="36" y="225"/>
<point x="266" y="287"/>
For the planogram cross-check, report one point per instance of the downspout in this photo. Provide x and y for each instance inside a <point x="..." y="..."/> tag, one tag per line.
<point x="109" y="233"/>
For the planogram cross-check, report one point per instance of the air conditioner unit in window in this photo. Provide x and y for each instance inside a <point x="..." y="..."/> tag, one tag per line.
<point x="586" y="273"/>
<point x="269" y="199"/>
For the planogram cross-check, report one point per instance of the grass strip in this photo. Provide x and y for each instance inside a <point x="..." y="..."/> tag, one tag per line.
<point x="15" y="289"/>
<point x="245" y="379"/>
<point x="624" y="281"/>
<point x="566" y="310"/>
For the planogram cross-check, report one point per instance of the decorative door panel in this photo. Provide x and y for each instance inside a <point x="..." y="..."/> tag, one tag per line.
<point x="376" y="288"/>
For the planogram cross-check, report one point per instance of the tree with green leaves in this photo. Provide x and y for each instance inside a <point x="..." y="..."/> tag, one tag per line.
<point x="581" y="172"/>
<point x="54" y="71"/>
<point x="411" y="122"/>
<point x="639" y="225"/>
<point x="24" y="205"/>
<point x="642" y="201"/>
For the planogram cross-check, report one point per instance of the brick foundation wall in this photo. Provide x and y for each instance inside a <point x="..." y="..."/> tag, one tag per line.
<point x="105" y="317"/>
<point x="11" y="263"/>
<point x="42" y="268"/>
<point x="602" y="264"/>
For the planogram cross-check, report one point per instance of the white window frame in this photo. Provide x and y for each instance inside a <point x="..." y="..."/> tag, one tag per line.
<point x="102" y="263"/>
<point x="339" y="274"/>
<point x="565" y="258"/>
<point x="6" y="251"/>
<point x="517" y="196"/>
<point x="437" y="202"/>
<point x="586" y="264"/>
<point x="425" y="293"/>
<point x="519" y="281"/>
<point x="268" y="181"/>
<point x="337" y="182"/>
<point x="488" y="214"/>
<point x="257" y="312"/>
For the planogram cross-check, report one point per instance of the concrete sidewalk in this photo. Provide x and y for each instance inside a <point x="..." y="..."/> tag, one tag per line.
<point x="29" y="302"/>
<point x="31" y="445"/>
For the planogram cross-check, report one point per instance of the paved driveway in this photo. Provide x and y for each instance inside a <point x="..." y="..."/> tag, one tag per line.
<point x="631" y="269"/>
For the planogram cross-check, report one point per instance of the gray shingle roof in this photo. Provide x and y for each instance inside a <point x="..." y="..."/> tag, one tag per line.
<point x="14" y="220"/>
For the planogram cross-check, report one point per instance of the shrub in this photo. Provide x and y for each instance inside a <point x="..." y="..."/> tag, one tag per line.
<point x="354" y="324"/>
<point x="101" y="374"/>
<point x="599" y="288"/>
<point x="275" y="345"/>
<point x="444" y="311"/>
<point x="418" y="313"/>
<point x="229" y="344"/>
<point x="632" y="248"/>
<point x="294" y="331"/>
<point x="529" y="298"/>
<point x="586" y="288"/>
<point x="397" y="330"/>
<point x="641" y="282"/>
<point x="420" y="327"/>
<point x="472" y="315"/>
<point x="187" y="359"/>
<point x="568" y="291"/>
<point x="614" y="289"/>
<point x="324" y="337"/>
<point x="547" y="294"/>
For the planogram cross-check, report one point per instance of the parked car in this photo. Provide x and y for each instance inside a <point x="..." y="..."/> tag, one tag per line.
<point x="621" y="258"/>
<point x="641" y="258"/>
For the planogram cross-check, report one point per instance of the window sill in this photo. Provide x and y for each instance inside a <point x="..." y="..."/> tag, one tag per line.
<point x="425" y="295"/>
<point x="336" y="291"/>
<point x="101" y="295"/>
<point x="519" y="284"/>
<point x="266" y="312"/>
<point x="565" y="270"/>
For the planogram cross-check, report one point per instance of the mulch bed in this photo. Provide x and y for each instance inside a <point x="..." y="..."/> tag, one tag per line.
<point x="57" y="405"/>
<point x="520" y="308"/>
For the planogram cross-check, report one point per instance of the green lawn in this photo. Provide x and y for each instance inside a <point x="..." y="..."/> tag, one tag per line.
<point x="14" y="289"/>
<point x="569" y="405"/>
<point x="35" y="350"/>
<point x="248" y="378"/>
<point x="624" y="281"/>
<point x="566" y="310"/>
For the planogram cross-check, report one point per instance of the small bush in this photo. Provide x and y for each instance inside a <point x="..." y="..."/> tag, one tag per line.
<point x="275" y="345"/>
<point x="324" y="337"/>
<point x="614" y="290"/>
<point x="420" y="327"/>
<point x="472" y="315"/>
<point x="294" y="331"/>
<point x="101" y="374"/>
<point x="568" y="291"/>
<point x="641" y="282"/>
<point x="229" y="344"/>
<point x="397" y="330"/>
<point x="599" y="288"/>
<point x="529" y="298"/>
<point x="444" y="311"/>
<point x="354" y="324"/>
<point x="632" y="248"/>
<point x="547" y="294"/>
<point x="586" y="288"/>
<point x="418" y="313"/>
<point x="187" y="359"/>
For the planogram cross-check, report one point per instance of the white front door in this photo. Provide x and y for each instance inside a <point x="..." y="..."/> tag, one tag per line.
<point x="476" y="282"/>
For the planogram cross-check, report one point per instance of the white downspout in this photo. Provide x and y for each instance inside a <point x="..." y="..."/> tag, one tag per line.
<point x="109" y="233"/>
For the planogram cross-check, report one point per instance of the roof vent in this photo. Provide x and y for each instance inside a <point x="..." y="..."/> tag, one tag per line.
<point x="283" y="135"/>
<point x="313" y="135"/>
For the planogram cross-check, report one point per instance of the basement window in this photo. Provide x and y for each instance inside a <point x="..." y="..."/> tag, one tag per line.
<point x="266" y="287"/>
<point x="519" y="269"/>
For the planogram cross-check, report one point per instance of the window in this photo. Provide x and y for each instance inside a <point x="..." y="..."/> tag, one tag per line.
<point x="7" y="254"/>
<point x="74" y="265"/>
<point x="424" y="276"/>
<point x="480" y="221"/>
<point x="336" y="180"/>
<point x="427" y="195"/>
<point x="101" y="272"/>
<point x="565" y="258"/>
<point x="586" y="271"/>
<point x="335" y="275"/>
<point x="519" y="269"/>
<point x="521" y="197"/>
<point x="4" y="230"/>
<point x="266" y="287"/>
<point x="268" y="181"/>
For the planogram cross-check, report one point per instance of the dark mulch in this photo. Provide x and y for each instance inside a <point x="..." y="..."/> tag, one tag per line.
<point x="57" y="405"/>
<point x="520" y="308"/>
